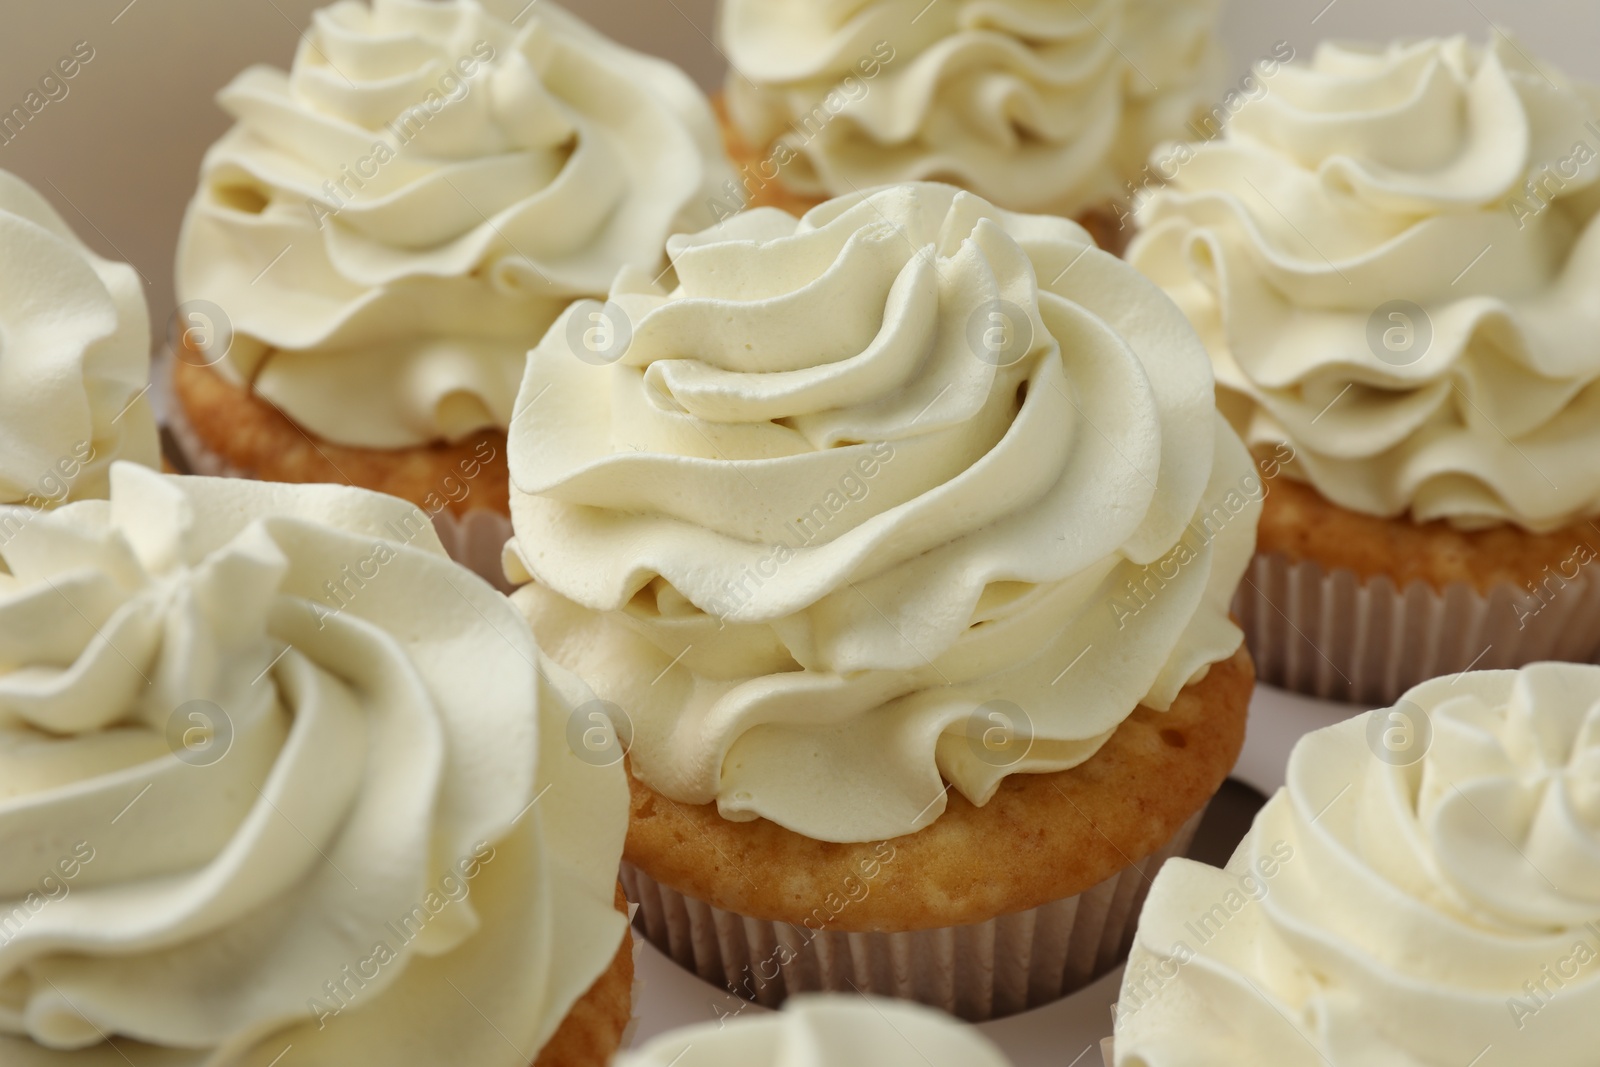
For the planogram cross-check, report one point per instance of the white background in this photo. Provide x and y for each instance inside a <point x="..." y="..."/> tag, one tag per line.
<point x="120" y="154"/>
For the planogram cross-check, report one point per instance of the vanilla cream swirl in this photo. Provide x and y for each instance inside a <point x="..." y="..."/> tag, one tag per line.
<point x="1038" y="106"/>
<point x="1391" y="256"/>
<point x="1396" y="910"/>
<point x="74" y="359"/>
<point x="825" y="1031"/>
<point x="241" y="812"/>
<point x="805" y="535"/>
<point x="401" y="216"/>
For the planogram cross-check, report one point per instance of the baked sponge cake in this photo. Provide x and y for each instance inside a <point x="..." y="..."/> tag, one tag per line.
<point x="904" y="529"/>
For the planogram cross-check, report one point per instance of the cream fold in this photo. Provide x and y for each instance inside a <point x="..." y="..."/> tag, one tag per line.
<point x="812" y="534"/>
<point x="1392" y="256"/>
<point x="275" y="772"/>
<point x="74" y="359"/>
<point x="400" y="216"/>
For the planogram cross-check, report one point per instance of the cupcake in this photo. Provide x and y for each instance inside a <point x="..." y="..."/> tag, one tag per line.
<point x="1391" y="257"/>
<point x="1036" y="107"/>
<point x="900" y="540"/>
<point x="1424" y="891"/>
<point x="389" y="228"/>
<point x="825" y="1031"/>
<point x="272" y="777"/>
<point x="74" y="361"/>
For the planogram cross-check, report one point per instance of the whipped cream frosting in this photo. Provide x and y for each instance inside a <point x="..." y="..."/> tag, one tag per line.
<point x="1440" y="910"/>
<point x="1035" y="106"/>
<point x="401" y="215"/>
<point x="827" y="549"/>
<point x="825" y="1031"/>
<point x="74" y="359"/>
<point x="1391" y="255"/>
<point x="275" y="772"/>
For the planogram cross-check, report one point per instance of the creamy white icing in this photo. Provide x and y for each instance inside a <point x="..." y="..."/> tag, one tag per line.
<point x="1459" y="179"/>
<point x="274" y="772"/>
<point x="805" y="537"/>
<point x="1438" y="906"/>
<point x="74" y="359"/>
<point x="439" y="180"/>
<point x="825" y="1031"/>
<point x="1036" y="106"/>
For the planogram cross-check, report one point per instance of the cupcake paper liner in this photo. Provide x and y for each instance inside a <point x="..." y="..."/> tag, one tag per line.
<point x="477" y="540"/>
<point x="977" y="972"/>
<point x="1329" y="634"/>
<point x="474" y="539"/>
<point x="636" y="944"/>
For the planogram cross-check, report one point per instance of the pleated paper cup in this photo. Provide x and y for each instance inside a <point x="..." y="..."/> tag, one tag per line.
<point x="1329" y="633"/>
<point x="475" y="538"/>
<point x="983" y="971"/>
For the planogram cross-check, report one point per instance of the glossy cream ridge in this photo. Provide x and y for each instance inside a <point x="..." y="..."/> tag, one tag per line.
<point x="1438" y="907"/>
<point x="275" y="772"/>
<point x="824" y="1031"/>
<point x="74" y="359"/>
<point x="818" y="551"/>
<point x="1391" y="255"/>
<point x="401" y="215"/>
<point x="1034" y="105"/>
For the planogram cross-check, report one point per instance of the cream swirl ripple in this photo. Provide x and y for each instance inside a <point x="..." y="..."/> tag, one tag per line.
<point x="825" y="1031"/>
<point x="74" y="359"/>
<point x="862" y="474"/>
<point x="402" y="214"/>
<point x="241" y="811"/>
<point x="1390" y="256"/>
<point x="1038" y="106"/>
<point x="1426" y="891"/>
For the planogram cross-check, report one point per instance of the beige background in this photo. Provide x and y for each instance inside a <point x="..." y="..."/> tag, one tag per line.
<point x="119" y="154"/>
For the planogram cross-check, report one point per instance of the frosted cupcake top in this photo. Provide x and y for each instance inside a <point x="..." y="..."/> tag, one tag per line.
<point x="1391" y="255"/>
<point x="274" y="772"/>
<point x="825" y="1031"/>
<point x="1034" y="104"/>
<point x="401" y="216"/>
<point x="74" y="359"/>
<point x="911" y="490"/>
<point x="1425" y="890"/>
